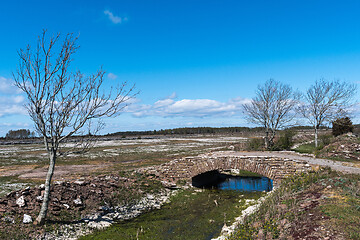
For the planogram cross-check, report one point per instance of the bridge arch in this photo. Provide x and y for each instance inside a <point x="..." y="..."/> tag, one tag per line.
<point x="275" y="168"/>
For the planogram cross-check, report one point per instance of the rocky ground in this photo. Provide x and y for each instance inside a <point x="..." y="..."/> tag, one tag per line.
<point x="79" y="206"/>
<point x="320" y="205"/>
<point x="83" y="200"/>
<point x="346" y="147"/>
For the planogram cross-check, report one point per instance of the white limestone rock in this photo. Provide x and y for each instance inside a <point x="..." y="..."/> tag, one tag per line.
<point x="78" y="201"/>
<point x="27" y="219"/>
<point x="21" y="201"/>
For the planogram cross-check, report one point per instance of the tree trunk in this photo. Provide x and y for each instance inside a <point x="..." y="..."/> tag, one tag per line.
<point x="44" y="207"/>
<point x="271" y="139"/>
<point x="266" y="139"/>
<point x="316" y="137"/>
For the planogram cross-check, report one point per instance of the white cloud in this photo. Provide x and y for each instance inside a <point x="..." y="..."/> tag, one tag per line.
<point x="173" y="95"/>
<point x="12" y="105"/>
<point x="189" y="108"/>
<point x="112" y="76"/>
<point x="10" y="98"/>
<point x="113" y="18"/>
<point x="7" y="86"/>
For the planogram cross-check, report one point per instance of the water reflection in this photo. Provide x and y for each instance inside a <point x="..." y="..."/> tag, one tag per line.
<point x="249" y="184"/>
<point x="217" y="180"/>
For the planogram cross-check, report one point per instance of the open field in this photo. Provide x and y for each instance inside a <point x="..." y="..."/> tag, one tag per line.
<point x="23" y="165"/>
<point x="26" y="164"/>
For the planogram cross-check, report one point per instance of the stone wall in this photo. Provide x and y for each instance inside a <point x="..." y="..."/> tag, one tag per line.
<point x="274" y="168"/>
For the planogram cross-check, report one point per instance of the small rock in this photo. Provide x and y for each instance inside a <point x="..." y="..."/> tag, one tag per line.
<point x="78" y="201"/>
<point x="9" y="219"/>
<point x="99" y="225"/>
<point x="66" y="205"/>
<point x="170" y="185"/>
<point x="59" y="182"/>
<point x="21" y="201"/>
<point x="27" y="219"/>
<point x="150" y="197"/>
<point x="42" y="186"/>
<point x="79" y="182"/>
<point x="39" y="198"/>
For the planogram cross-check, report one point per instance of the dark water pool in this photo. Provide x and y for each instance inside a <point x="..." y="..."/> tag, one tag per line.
<point x="249" y="184"/>
<point x="221" y="181"/>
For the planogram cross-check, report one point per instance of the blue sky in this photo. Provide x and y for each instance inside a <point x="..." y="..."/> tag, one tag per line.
<point x="194" y="62"/>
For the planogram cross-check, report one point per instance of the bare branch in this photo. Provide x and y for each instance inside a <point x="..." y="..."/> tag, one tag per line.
<point x="272" y="108"/>
<point x="62" y="103"/>
<point x="326" y="101"/>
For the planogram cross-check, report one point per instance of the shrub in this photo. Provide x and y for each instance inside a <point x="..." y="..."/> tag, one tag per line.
<point x="285" y="141"/>
<point x="341" y="126"/>
<point x="255" y="144"/>
<point x="325" y="139"/>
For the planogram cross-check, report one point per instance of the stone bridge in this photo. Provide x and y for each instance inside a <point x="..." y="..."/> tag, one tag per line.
<point x="275" y="168"/>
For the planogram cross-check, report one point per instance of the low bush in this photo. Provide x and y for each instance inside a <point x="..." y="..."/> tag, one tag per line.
<point x="285" y="140"/>
<point x="255" y="144"/>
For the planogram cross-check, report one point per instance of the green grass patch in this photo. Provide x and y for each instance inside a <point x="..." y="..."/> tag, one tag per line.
<point x="306" y="148"/>
<point x="189" y="215"/>
<point x="244" y="173"/>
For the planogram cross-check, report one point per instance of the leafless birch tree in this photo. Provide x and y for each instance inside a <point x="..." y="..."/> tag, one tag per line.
<point x="272" y="108"/>
<point x="326" y="101"/>
<point x="62" y="103"/>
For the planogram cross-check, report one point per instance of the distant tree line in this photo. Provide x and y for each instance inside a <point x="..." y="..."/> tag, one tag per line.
<point x="189" y="130"/>
<point x="20" y="134"/>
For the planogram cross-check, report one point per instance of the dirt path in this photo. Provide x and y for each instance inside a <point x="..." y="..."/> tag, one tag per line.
<point x="336" y="165"/>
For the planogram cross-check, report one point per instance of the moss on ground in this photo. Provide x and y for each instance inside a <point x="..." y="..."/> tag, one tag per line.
<point x="189" y="215"/>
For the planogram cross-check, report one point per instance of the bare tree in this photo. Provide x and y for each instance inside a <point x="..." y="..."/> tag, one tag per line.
<point x="62" y="103"/>
<point x="325" y="101"/>
<point x="272" y="108"/>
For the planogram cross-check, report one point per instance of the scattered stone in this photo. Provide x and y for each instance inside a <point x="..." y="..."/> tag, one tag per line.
<point x="21" y="201"/>
<point x="79" y="182"/>
<point x="78" y="201"/>
<point x="150" y="197"/>
<point x="8" y="219"/>
<point x="39" y="198"/>
<point x="99" y="225"/>
<point x="27" y="219"/>
<point x="170" y="185"/>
